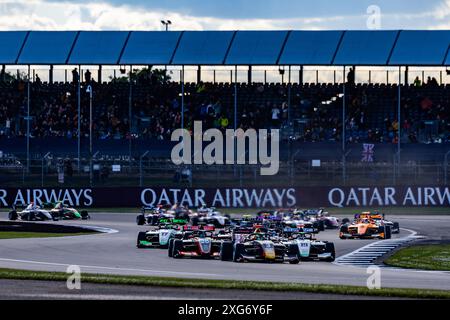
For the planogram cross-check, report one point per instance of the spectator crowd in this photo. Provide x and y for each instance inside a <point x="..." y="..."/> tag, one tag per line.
<point x="152" y="110"/>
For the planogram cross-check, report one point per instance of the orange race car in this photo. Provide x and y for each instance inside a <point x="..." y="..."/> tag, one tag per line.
<point x="379" y="218"/>
<point x="365" y="227"/>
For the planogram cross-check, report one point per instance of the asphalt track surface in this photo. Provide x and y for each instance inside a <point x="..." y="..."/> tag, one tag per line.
<point x="116" y="253"/>
<point x="49" y="290"/>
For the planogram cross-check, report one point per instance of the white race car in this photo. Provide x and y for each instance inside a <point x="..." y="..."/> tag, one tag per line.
<point x="308" y="247"/>
<point x="209" y="216"/>
<point x="32" y="212"/>
<point x="158" y="238"/>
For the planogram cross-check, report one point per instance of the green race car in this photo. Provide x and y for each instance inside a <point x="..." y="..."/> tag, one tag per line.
<point x="60" y="210"/>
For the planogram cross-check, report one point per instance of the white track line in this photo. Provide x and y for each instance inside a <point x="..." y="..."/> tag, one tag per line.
<point x="98" y="229"/>
<point x="108" y="268"/>
<point x="366" y="255"/>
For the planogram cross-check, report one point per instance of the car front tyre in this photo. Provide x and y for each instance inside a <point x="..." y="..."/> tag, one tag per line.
<point x="226" y="251"/>
<point x="170" y="249"/>
<point x="13" y="215"/>
<point x="177" y="246"/>
<point x="140" y="220"/>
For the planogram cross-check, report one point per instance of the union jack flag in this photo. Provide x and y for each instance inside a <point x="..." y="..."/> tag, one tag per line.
<point x="368" y="152"/>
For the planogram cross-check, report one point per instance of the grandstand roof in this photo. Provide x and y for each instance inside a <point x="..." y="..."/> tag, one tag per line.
<point x="360" y="48"/>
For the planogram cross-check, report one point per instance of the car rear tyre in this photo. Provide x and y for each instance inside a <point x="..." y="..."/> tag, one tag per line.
<point x="397" y="227"/>
<point x="84" y="215"/>
<point x="294" y="252"/>
<point x="343" y="229"/>
<point x="387" y="232"/>
<point x="226" y="251"/>
<point x="195" y="221"/>
<point x="238" y="251"/>
<point x="345" y="220"/>
<point x="154" y="220"/>
<point x="141" y="237"/>
<point x="329" y="247"/>
<point x="321" y="225"/>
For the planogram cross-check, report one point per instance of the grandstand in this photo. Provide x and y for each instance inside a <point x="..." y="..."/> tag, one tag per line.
<point x="385" y="89"/>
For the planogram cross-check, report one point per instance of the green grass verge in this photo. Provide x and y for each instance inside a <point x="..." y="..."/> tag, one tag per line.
<point x="426" y="257"/>
<point x="227" y="284"/>
<point x="19" y="235"/>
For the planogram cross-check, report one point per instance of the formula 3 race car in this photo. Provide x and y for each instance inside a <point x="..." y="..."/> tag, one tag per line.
<point x="210" y="216"/>
<point x="197" y="242"/>
<point x="32" y="212"/>
<point x="152" y="215"/>
<point x="290" y="217"/>
<point x="308" y="247"/>
<point x="258" y="247"/>
<point x="363" y="228"/>
<point x="60" y="210"/>
<point x="323" y="218"/>
<point x="379" y="217"/>
<point x="158" y="238"/>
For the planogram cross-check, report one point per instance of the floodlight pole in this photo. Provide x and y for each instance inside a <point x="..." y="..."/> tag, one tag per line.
<point x="28" y="120"/>
<point x="235" y="97"/>
<point x="343" y="129"/>
<point x="289" y="97"/>
<point x="398" y="116"/>
<point x="235" y="118"/>
<point x="343" y="112"/>
<point x="89" y="90"/>
<point x="79" y="119"/>
<point x="182" y="97"/>
<point x="130" y="103"/>
<point x="166" y="24"/>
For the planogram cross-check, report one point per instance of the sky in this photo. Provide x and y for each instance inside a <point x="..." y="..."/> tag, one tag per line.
<point x="224" y="14"/>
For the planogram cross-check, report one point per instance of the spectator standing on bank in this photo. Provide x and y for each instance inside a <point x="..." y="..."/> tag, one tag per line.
<point x="275" y="115"/>
<point x="417" y="82"/>
<point x="75" y="76"/>
<point x="351" y="76"/>
<point x="87" y="76"/>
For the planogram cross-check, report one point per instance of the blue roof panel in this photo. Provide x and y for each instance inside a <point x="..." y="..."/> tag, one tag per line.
<point x="447" y="60"/>
<point x="203" y="47"/>
<point x="256" y="47"/>
<point x="98" y="47"/>
<point x="47" y="47"/>
<point x="12" y="42"/>
<point x="151" y="47"/>
<point x="365" y="48"/>
<point x="310" y="48"/>
<point x="421" y="48"/>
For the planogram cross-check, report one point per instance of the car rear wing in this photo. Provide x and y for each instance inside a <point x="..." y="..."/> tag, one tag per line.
<point x="369" y="216"/>
<point x="238" y="221"/>
<point x="243" y="230"/>
<point x="20" y="207"/>
<point x="48" y="205"/>
<point x="145" y="209"/>
<point x="198" y="228"/>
